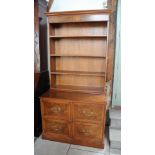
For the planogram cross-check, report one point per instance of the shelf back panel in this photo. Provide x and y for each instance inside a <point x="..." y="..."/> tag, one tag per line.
<point x="68" y="88"/>
<point x="74" y="29"/>
<point x="75" y="80"/>
<point x="78" y="64"/>
<point x="80" y="46"/>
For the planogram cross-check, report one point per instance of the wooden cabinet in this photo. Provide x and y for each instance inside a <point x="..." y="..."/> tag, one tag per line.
<point x="77" y="118"/>
<point x="74" y="109"/>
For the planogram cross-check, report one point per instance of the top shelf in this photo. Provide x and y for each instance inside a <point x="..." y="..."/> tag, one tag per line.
<point x="80" y="36"/>
<point x="77" y="12"/>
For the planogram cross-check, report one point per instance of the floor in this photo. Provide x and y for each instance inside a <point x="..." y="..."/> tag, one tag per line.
<point x="46" y="147"/>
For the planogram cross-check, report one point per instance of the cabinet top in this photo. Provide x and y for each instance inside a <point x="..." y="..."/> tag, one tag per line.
<point x="75" y="96"/>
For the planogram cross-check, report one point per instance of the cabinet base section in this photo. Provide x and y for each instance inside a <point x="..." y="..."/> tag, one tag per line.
<point x="82" y="142"/>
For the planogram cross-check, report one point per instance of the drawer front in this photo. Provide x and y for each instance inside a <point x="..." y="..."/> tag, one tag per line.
<point x="56" y="109"/>
<point x="56" y="127"/>
<point x="88" y="112"/>
<point x="87" y="131"/>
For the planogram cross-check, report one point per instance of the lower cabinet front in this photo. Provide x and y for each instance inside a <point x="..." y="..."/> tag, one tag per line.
<point x="75" y="133"/>
<point x="78" y="127"/>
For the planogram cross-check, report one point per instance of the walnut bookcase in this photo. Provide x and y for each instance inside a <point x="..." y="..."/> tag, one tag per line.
<point x="74" y="108"/>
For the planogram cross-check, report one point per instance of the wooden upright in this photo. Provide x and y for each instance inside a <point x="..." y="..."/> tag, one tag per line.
<point x="74" y="109"/>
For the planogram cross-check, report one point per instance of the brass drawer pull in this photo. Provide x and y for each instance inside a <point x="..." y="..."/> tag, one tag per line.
<point x="88" y="113"/>
<point x="56" y="109"/>
<point x="85" y="132"/>
<point x="56" y="128"/>
<point x="71" y="120"/>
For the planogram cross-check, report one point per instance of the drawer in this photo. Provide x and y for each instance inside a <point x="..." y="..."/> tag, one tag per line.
<point x="57" y="127"/>
<point x="56" y="108"/>
<point x="88" y="112"/>
<point x="87" y="131"/>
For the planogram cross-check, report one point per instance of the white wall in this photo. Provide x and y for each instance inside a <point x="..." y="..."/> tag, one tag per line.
<point x="69" y="5"/>
<point x="116" y="99"/>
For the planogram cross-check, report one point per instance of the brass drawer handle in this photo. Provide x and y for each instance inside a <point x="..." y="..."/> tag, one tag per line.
<point x="71" y="120"/>
<point x="88" y="113"/>
<point x="56" y="128"/>
<point x="85" y="132"/>
<point x="56" y="109"/>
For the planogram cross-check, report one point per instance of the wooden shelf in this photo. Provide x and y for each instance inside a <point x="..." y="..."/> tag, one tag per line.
<point x="86" y="97"/>
<point x="63" y="55"/>
<point x="84" y="89"/>
<point x="81" y="12"/>
<point x="78" y="73"/>
<point x="80" y="36"/>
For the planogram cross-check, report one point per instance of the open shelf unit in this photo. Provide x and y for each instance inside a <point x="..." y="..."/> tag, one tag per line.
<point x="78" y="56"/>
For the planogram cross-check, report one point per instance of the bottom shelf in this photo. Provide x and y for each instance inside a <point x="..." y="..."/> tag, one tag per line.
<point x="84" y="89"/>
<point x="76" y="96"/>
